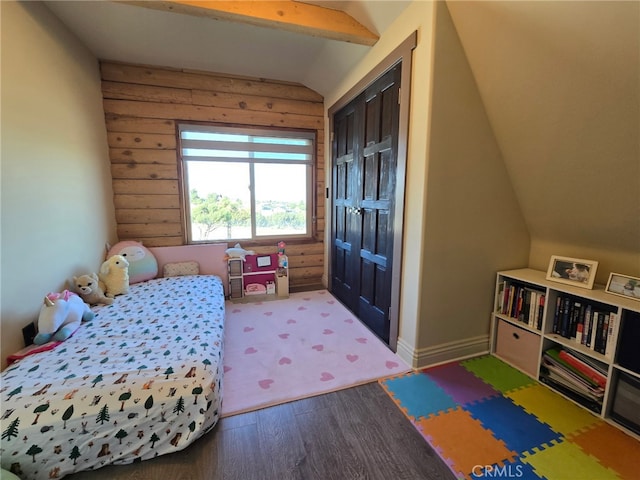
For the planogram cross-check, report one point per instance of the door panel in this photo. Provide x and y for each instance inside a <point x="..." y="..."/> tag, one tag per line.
<point x="343" y="279"/>
<point x="364" y="175"/>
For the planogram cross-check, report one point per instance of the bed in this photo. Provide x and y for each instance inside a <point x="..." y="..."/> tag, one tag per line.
<point x="142" y="379"/>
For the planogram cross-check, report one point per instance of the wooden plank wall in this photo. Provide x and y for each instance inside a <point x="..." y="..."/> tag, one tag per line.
<point x="142" y="107"/>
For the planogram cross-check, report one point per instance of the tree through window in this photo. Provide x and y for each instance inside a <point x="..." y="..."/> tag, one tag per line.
<point x="245" y="183"/>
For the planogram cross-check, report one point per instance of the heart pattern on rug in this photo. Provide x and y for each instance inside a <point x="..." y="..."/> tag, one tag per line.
<point x="284" y="349"/>
<point x="266" y="383"/>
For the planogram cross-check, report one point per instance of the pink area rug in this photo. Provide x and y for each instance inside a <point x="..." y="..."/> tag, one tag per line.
<point x="284" y="350"/>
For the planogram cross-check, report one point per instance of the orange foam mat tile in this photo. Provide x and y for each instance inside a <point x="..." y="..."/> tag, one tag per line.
<point x="462" y="441"/>
<point x="611" y="447"/>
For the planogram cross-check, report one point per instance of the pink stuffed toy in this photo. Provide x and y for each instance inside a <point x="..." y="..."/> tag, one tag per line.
<point x="142" y="263"/>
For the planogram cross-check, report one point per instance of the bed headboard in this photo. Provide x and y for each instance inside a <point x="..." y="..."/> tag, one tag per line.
<point x="211" y="258"/>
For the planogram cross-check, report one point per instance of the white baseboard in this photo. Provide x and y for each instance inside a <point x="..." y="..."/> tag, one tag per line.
<point x="446" y="352"/>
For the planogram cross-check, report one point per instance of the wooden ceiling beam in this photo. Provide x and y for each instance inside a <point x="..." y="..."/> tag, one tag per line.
<point x="286" y="15"/>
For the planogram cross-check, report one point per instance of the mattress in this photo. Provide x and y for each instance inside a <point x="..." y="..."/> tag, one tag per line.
<point x="142" y="379"/>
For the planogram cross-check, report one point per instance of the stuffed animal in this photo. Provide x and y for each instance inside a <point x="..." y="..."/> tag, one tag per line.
<point x="114" y="275"/>
<point x="60" y="315"/>
<point x="238" y="252"/>
<point x="142" y="263"/>
<point x="88" y="287"/>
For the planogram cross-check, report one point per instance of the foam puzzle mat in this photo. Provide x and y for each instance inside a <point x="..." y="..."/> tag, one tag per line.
<point x="486" y="419"/>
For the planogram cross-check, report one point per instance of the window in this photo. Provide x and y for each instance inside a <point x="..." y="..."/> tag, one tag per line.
<point x="245" y="183"/>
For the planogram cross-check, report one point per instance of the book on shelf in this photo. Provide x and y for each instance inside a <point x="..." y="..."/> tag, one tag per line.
<point x="556" y="316"/>
<point x="604" y="333"/>
<point x="586" y="331"/>
<point x="599" y="366"/>
<point x="577" y="318"/>
<point x="573" y="374"/>
<point x="531" y="308"/>
<point x="536" y="309"/>
<point x="521" y="302"/>
<point x="587" y="324"/>
<point x="562" y="377"/>
<point x="584" y="367"/>
<point x="540" y="311"/>
<point x="579" y="331"/>
<point x="597" y="333"/>
<point x="593" y="405"/>
<point x="605" y="328"/>
<point x="565" y="312"/>
<point x="555" y="357"/>
<point x="518" y="303"/>
<point x="500" y="297"/>
<point x="612" y="334"/>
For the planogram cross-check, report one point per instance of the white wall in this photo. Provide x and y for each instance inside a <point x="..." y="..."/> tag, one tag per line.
<point x="57" y="201"/>
<point x="474" y="224"/>
<point x="560" y="82"/>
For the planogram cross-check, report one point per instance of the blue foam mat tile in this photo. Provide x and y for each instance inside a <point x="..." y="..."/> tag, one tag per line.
<point x="411" y="392"/>
<point x="520" y="430"/>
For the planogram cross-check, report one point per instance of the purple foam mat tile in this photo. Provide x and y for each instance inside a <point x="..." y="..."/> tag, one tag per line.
<point x="460" y="384"/>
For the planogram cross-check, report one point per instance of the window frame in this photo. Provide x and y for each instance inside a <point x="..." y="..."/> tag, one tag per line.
<point x="311" y="166"/>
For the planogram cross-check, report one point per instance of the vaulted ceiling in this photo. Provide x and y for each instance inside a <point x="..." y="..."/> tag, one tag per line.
<point x="559" y="80"/>
<point x="317" y="47"/>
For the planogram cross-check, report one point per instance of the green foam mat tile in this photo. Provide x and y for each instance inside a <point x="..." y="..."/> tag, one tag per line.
<point x="496" y="373"/>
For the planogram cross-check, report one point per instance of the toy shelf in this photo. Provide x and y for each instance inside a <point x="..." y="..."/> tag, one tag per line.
<point x="258" y="278"/>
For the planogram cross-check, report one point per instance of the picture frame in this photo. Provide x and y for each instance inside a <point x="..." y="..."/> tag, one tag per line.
<point x="624" y="286"/>
<point x="572" y="271"/>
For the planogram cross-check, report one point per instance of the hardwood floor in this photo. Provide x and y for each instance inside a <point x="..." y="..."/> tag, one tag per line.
<point x="357" y="433"/>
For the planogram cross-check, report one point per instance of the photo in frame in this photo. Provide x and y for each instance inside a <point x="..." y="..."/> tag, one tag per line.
<point x="572" y="271"/>
<point x="623" y="285"/>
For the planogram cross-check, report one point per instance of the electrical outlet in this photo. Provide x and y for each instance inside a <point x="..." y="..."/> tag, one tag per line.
<point x="28" y="333"/>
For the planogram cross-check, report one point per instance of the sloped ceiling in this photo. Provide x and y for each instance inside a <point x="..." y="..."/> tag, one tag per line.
<point x="133" y="34"/>
<point x="560" y="82"/>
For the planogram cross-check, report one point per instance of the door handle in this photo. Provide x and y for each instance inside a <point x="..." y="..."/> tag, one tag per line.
<point x="356" y="210"/>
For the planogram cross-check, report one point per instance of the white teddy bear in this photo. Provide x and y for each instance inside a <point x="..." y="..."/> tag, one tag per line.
<point x="114" y="275"/>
